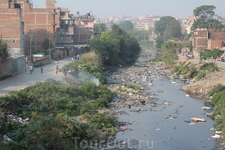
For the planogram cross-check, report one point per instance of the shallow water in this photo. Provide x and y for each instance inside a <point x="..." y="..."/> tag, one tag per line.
<point x="154" y="131"/>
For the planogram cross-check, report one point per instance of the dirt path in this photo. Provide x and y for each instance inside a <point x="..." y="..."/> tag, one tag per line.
<point x="24" y="80"/>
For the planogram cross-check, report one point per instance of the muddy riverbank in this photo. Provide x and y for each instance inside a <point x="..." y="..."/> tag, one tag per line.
<point x="155" y="112"/>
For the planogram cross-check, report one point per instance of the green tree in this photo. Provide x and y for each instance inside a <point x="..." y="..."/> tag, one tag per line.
<point x="173" y="30"/>
<point x="159" y="41"/>
<point x="160" y="26"/>
<point x="98" y="28"/>
<point x="4" y="52"/>
<point x="168" y="54"/>
<point x="201" y="23"/>
<point x="126" y="25"/>
<point x="215" y="53"/>
<point x="205" y="14"/>
<point x="204" y="11"/>
<point x="116" y="47"/>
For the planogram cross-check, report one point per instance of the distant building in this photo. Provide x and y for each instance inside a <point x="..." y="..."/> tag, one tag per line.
<point x="207" y="39"/>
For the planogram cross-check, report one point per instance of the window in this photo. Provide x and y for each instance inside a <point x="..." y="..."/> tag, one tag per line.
<point x="13" y="41"/>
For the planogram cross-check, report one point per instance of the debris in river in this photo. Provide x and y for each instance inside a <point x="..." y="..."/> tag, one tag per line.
<point x="216" y="136"/>
<point x="198" y="120"/>
<point x="206" y="108"/>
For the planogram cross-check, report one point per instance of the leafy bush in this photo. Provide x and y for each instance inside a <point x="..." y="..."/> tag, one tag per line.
<point x="175" y="69"/>
<point x="49" y="106"/>
<point x="209" y="67"/>
<point x="200" y="75"/>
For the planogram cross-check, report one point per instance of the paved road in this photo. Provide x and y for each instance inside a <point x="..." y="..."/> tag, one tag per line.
<point x="23" y="79"/>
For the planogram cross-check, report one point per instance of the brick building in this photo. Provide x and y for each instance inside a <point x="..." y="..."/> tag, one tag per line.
<point x="12" y="26"/>
<point x="207" y="39"/>
<point x="25" y="28"/>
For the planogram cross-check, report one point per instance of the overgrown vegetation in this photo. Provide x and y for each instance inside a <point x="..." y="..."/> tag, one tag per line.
<point x="4" y="51"/>
<point x="53" y="109"/>
<point x="169" y="55"/>
<point x="218" y="100"/>
<point x="206" y="54"/>
<point x="116" y="47"/>
<point x="190" y="71"/>
<point x="90" y="62"/>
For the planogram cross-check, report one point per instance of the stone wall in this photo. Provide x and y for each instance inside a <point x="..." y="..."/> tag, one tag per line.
<point x="41" y="60"/>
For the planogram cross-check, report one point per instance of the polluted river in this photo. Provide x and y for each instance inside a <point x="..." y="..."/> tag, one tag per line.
<point x="154" y="113"/>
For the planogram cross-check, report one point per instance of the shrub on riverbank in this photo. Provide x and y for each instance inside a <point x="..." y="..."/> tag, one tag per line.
<point x="90" y="62"/>
<point x="190" y="71"/>
<point x="218" y="100"/>
<point x="52" y="109"/>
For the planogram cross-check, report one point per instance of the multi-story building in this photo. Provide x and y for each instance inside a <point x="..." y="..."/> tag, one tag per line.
<point x="207" y="39"/>
<point x="12" y="26"/>
<point x="74" y="29"/>
<point x="26" y="28"/>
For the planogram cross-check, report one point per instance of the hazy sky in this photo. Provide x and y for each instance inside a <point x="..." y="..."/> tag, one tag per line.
<point x="107" y="8"/>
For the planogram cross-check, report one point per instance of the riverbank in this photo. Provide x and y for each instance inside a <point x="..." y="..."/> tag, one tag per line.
<point x="154" y="110"/>
<point x="199" y="89"/>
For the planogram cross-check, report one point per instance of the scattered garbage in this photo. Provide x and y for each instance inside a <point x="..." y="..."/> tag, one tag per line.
<point x="206" y="108"/>
<point x="216" y="136"/>
<point x="198" y="120"/>
<point x="6" y="139"/>
<point x="15" y="118"/>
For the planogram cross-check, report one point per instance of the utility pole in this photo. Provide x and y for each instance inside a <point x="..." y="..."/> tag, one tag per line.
<point x="30" y="47"/>
<point x="49" y="48"/>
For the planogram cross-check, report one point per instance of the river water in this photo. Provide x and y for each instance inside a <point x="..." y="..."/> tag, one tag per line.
<point x="163" y="127"/>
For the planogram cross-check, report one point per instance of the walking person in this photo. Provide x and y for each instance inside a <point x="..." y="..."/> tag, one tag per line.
<point x="31" y="69"/>
<point x="41" y="70"/>
<point x="75" y="57"/>
<point x="72" y="59"/>
<point x="78" y="57"/>
<point x="56" y="69"/>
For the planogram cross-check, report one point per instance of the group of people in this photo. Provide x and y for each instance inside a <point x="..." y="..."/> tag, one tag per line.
<point x="76" y="57"/>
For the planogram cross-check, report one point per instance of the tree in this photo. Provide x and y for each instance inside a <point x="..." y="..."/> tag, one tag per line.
<point x="215" y="53"/>
<point x="116" y="47"/>
<point x="173" y="30"/>
<point x="4" y="52"/>
<point x="98" y="28"/>
<point x="200" y="23"/>
<point x="205" y="14"/>
<point x="159" y="40"/>
<point x="168" y="54"/>
<point x="204" y="11"/>
<point x="160" y="26"/>
<point x="126" y="25"/>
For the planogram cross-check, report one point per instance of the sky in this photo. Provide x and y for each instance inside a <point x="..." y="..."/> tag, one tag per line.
<point x="106" y="8"/>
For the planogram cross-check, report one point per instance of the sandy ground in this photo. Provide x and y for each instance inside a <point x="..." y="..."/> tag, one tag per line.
<point x="201" y="87"/>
